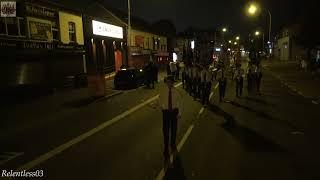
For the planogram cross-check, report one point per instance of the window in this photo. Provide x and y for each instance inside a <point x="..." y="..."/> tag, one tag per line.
<point x="22" y="26"/>
<point x="3" y="27"/>
<point x="55" y="32"/>
<point x="72" y="32"/>
<point x="12" y="26"/>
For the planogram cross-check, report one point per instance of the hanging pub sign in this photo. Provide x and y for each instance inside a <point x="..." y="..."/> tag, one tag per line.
<point x="108" y="30"/>
<point x="40" y="31"/>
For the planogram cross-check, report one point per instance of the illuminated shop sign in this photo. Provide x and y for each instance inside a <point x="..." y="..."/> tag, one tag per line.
<point x="108" y="30"/>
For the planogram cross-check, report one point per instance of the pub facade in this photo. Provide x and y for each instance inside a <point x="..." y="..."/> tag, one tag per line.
<point x="43" y="46"/>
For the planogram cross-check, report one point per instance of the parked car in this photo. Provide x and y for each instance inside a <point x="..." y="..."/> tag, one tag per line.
<point x="129" y="78"/>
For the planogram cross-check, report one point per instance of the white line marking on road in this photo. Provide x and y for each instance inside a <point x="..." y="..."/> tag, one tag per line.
<point x="181" y="143"/>
<point x="315" y="102"/>
<point x="84" y="136"/>
<point x="8" y="156"/>
<point x="201" y="110"/>
<point x="216" y="86"/>
<point x="179" y="84"/>
<point x="297" y="133"/>
<point x="211" y="94"/>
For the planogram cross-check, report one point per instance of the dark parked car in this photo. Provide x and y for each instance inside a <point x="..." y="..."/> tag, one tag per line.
<point x="129" y="78"/>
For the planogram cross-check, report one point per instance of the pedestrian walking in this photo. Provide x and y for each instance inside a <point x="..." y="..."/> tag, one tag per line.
<point x="177" y="74"/>
<point x="148" y="74"/>
<point x="170" y="103"/>
<point x="222" y="85"/>
<point x="239" y="81"/>
<point x="250" y="78"/>
<point x="206" y="81"/>
<point x="194" y="82"/>
<point x="197" y="82"/>
<point x="258" y="78"/>
<point x="183" y="74"/>
<point x="173" y="69"/>
<point x="189" y="79"/>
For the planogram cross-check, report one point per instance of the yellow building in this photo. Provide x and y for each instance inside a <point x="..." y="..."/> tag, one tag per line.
<point x="71" y="29"/>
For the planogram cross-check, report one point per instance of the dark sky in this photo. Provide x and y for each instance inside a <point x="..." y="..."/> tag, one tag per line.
<point x="210" y="13"/>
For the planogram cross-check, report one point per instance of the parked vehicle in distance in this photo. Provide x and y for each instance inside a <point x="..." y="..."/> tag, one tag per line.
<point x="129" y="78"/>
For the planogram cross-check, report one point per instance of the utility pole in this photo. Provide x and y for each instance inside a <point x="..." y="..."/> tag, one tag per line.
<point x="129" y="33"/>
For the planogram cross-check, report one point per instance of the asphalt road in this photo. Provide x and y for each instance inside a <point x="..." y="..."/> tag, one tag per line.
<point x="275" y="137"/>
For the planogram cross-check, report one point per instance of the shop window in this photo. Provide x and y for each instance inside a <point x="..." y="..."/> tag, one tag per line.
<point x="55" y="32"/>
<point x="72" y="32"/>
<point x="3" y="27"/>
<point x="22" y="26"/>
<point x="12" y="26"/>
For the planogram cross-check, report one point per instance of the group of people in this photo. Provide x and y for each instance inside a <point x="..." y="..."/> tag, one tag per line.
<point x="151" y="74"/>
<point x="197" y="81"/>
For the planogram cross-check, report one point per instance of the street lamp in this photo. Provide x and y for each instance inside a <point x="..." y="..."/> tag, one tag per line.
<point x="238" y="38"/>
<point x="235" y="43"/>
<point x="252" y="10"/>
<point x="230" y="41"/>
<point x="257" y="33"/>
<point x="224" y="29"/>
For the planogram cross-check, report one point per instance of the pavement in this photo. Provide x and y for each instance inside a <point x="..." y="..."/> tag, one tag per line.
<point x="274" y="137"/>
<point x="302" y="82"/>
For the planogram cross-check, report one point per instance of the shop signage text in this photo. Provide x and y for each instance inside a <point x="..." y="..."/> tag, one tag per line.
<point x="108" y="30"/>
<point x="40" y="11"/>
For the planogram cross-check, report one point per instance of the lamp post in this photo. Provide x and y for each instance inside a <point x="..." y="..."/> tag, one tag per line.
<point x="252" y="10"/>
<point x="129" y="33"/>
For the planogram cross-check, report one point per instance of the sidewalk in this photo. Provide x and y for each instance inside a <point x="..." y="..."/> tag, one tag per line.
<point x="297" y="80"/>
<point x="25" y="114"/>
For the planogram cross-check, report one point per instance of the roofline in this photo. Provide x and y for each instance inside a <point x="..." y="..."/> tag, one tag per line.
<point x="113" y="15"/>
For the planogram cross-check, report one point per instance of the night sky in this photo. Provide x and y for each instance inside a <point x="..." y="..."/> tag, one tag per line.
<point x="211" y="13"/>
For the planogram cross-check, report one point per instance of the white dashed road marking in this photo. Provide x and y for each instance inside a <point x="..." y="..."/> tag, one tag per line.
<point x="7" y="156"/>
<point x="84" y="136"/>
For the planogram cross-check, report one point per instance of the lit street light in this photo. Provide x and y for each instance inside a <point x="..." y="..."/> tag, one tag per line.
<point x="257" y="33"/>
<point x="237" y="38"/>
<point x="235" y="43"/>
<point x="230" y="41"/>
<point x="224" y="30"/>
<point x="252" y="9"/>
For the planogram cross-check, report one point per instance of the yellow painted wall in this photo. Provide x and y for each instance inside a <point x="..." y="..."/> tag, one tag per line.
<point x="148" y="36"/>
<point x="64" y="19"/>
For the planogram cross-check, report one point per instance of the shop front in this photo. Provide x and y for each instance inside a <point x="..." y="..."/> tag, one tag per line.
<point x="105" y="51"/>
<point x="33" y="52"/>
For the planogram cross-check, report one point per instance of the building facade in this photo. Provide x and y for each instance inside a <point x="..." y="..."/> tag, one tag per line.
<point x="144" y="44"/>
<point x="43" y="46"/>
<point x="286" y="48"/>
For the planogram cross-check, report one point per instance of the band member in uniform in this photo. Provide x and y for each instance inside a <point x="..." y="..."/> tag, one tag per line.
<point x="239" y="81"/>
<point x="170" y="102"/>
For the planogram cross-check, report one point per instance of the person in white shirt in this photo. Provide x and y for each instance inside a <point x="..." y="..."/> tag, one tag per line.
<point x="206" y="81"/>
<point x="183" y="74"/>
<point x="238" y="76"/>
<point x="173" y="68"/>
<point x="170" y="102"/>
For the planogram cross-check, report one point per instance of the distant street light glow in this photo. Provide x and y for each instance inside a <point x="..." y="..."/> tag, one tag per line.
<point x="257" y="33"/>
<point x="192" y="44"/>
<point x="174" y="57"/>
<point x="237" y="38"/>
<point x="224" y="30"/>
<point x="230" y="41"/>
<point x="235" y="43"/>
<point x="252" y="9"/>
